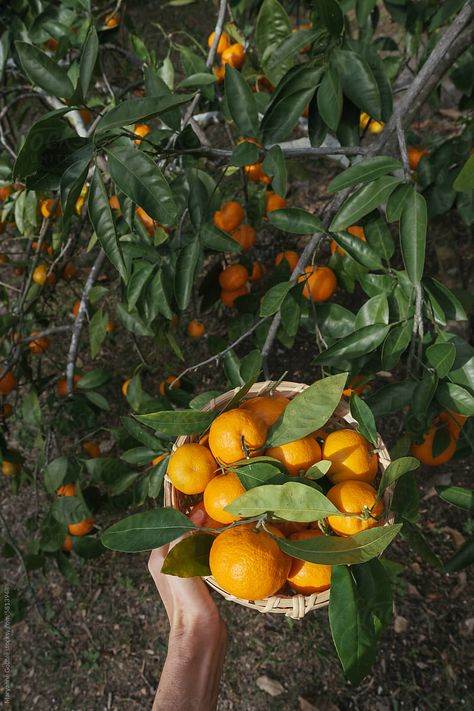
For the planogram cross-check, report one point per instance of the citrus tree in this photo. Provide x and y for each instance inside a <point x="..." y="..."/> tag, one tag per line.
<point x="135" y="184"/>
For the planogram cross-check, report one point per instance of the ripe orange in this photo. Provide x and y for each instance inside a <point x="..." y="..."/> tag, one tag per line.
<point x="353" y="497"/>
<point x="69" y="271"/>
<point x="61" y="385"/>
<point x="288" y="527"/>
<point x="195" y="329"/>
<point x="267" y="407"/>
<point x="297" y="456"/>
<point x="170" y="379"/>
<point x="245" y="235"/>
<point x="112" y="20"/>
<point x="110" y="328"/>
<point x="248" y="563"/>
<point x="256" y="174"/>
<point x="229" y="216"/>
<point x="191" y="467"/>
<point x="355" y="230"/>
<point x="79" y="204"/>
<point x="5" y="192"/>
<point x="290" y="256"/>
<point x="221" y="491"/>
<point x="320" y="283"/>
<point x="141" y="129"/>
<point x="67" y="545"/>
<point x="8" y="383"/>
<point x="234" y="55"/>
<point x="147" y="221"/>
<point x="233" y="277"/>
<point x="10" y="468"/>
<point x="82" y="528"/>
<point x="86" y="116"/>
<point x="114" y="202"/>
<point x="375" y="127"/>
<point x="350" y="457"/>
<point x="273" y="202"/>
<point x="125" y="385"/>
<point x="258" y="271"/>
<point x="199" y="516"/>
<point x="66" y="490"/>
<point x="39" y="274"/>
<point x="222" y="45"/>
<point x="236" y="433"/>
<point x="415" y="154"/>
<point x="307" y="578"/>
<point x="91" y="449"/>
<point x="454" y="420"/>
<point x="424" y="450"/>
<point x="39" y="345"/>
<point x="228" y="297"/>
<point x="46" y="207"/>
<point x="220" y="73"/>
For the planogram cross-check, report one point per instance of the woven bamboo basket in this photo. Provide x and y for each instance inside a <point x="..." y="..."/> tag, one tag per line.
<point x="294" y="606"/>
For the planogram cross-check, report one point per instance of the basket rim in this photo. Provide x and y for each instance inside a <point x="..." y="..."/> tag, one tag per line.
<point x="294" y="606"/>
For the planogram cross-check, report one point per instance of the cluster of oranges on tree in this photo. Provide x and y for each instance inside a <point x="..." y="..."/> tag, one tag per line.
<point x="245" y="560"/>
<point x="232" y="53"/>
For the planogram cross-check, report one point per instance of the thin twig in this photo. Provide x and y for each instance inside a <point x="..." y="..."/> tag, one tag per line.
<point x="402" y="145"/>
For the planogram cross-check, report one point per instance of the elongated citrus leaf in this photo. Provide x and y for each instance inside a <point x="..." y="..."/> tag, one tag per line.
<point x="462" y="558"/>
<point x="395" y="470"/>
<point x="465" y="178"/>
<point x="274" y="298"/>
<point x="363" y="341"/>
<point x="358" y="250"/>
<point x="43" y="71"/>
<point x="363" y="201"/>
<point x="190" y="557"/>
<point x="329" y="99"/>
<point x="358" y="82"/>
<point x="133" y="110"/>
<point x="103" y="222"/>
<point x="308" y="411"/>
<point x="334" y="550"/>
<point x="361" y="412"/>
<point x="241" y="103"/>
<point x="88" y="60"/>
<point x="352" y="628"/>
<point x="459" y="496"/>
<point x="318" y="470"/>
<point x="144" y="531"/>
<point x="291" y="501"/>
<point x="413" y="224"/>
<point x="441" y="356"/>
<point x="364" y="172"/>
<point x="188" y="263"/>
<point x="454" y="397"/>
<point x="257" y="474"/>
<point x="178" y="422"/>
<point x="296" y="220"/>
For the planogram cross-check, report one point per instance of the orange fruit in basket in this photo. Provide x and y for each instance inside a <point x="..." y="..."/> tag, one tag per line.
<point x="66" y="490"/>
<point x="229" y="216"/>
<point x="304" y="577"/>
<point x="320" y="283"/>
<point x="191" y="467"/>
<point x="267" y="407"/>
<point x="245" y="235"/>
<point x="290" y="256"/>
<point x="297" y="456"/>
<point x="355" y="230"/>
<point x="221" y="491"/>
<point x="350" y="456"/>
<point x="228" y="297"/>
<point x="424" y="450"/>
<point x="236" y="434"/>
<point x="248" y="563"/>
<point x="354" y="497"/>
<point x="233" y="277"/>
<point x="199" y="516"/>
<point x="222" y="45"/>
<point x="82" y="528"/>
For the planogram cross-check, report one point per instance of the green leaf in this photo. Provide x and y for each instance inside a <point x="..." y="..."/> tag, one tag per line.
<point x="144" y="531"/>
<point x="272" y="27"/>
<point x="94" y="379"/>
<point x="379" y="237"/>
<point x="178" y="422"/>
<point x="331" y="16"/>
<point x="88" y="60"/>
<point x="374" y="585"/>
<point x="318" y="470"/>
<point x="103" y="223"/>
<point x="413" y="224"/>
<point x="244" y="153"/>
<point x="396" y="201"/>
<point x="274" y="298"/>
<point x="462" y="558"/>
<point x="358" y="82"/>
<point x="308" y="411"/>
<point x="352" y="628"/>
<point x="71" y="185"/>
<point x="274" y="165"/>
<point x="69" y="509"/>
<point x="454" y="397"/>
<point x="138" y="455"/>
<point x="241" y="103"/>
<point x="357" y="344"/>
<point x="190" y="557"/>
<point x="43" y="71"/>
<point x="445" y="304"/>
<point x="256" y="474"/>
<point x="361" y="412"/>
<point x="441" y="356"/>
<point x="201" y="400"/>
<point x="358" y="249"/>
<point x="395" y="470"/>
<point x="416" y="540"/>
<point x="291" y="501"/>
<point x="139" y="177"/>
<point x="138" y="432"/>
<point x="197" y="80"/>
<point x="291" y="45"/>
<point x="363" y="201"/>
<point x="54" y="473"/>
<point x="88" y="547"/>
<point x="186" y="268"/>
<point x="335" y="550"/>
<point x="132" y="321"/>
<point x="375" y="310"/>
<point x="329" y="99"/>
<point x="459" y="496"/>
<point x="97" y="331"/>
<point x="465" y="178"/>
<point x="365" y="171"/>
<point x="296" y="221"/>
<point x="133" y="110"/>
<point x="396" y="344"/>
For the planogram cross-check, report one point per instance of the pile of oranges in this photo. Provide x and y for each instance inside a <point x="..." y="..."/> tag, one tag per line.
<point x="245" y="560"/>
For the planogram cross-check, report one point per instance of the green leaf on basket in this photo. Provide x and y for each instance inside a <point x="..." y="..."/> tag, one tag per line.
<point x="178" y="422"/>
<point x="335" y="550"/>
<point x="361" y="412"/>
<point x="318" y="470"/>
<point x="144" y="531"/>
<point x="252" y="475"/>
<point x="190" y="557"/>
<point x="308" y="411"/>
<point x="292" y="501"/>
<point x="395" y="470"/>
<point x="296" y="220"/>
<point x="459" y="496"/>
<point x="364" y="172"/>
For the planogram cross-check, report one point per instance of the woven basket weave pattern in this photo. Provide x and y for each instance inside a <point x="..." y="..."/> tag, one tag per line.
<point x="294" y="606"/>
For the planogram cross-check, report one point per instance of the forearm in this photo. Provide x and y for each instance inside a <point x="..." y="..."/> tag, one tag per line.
<point x="192" y="671"/>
